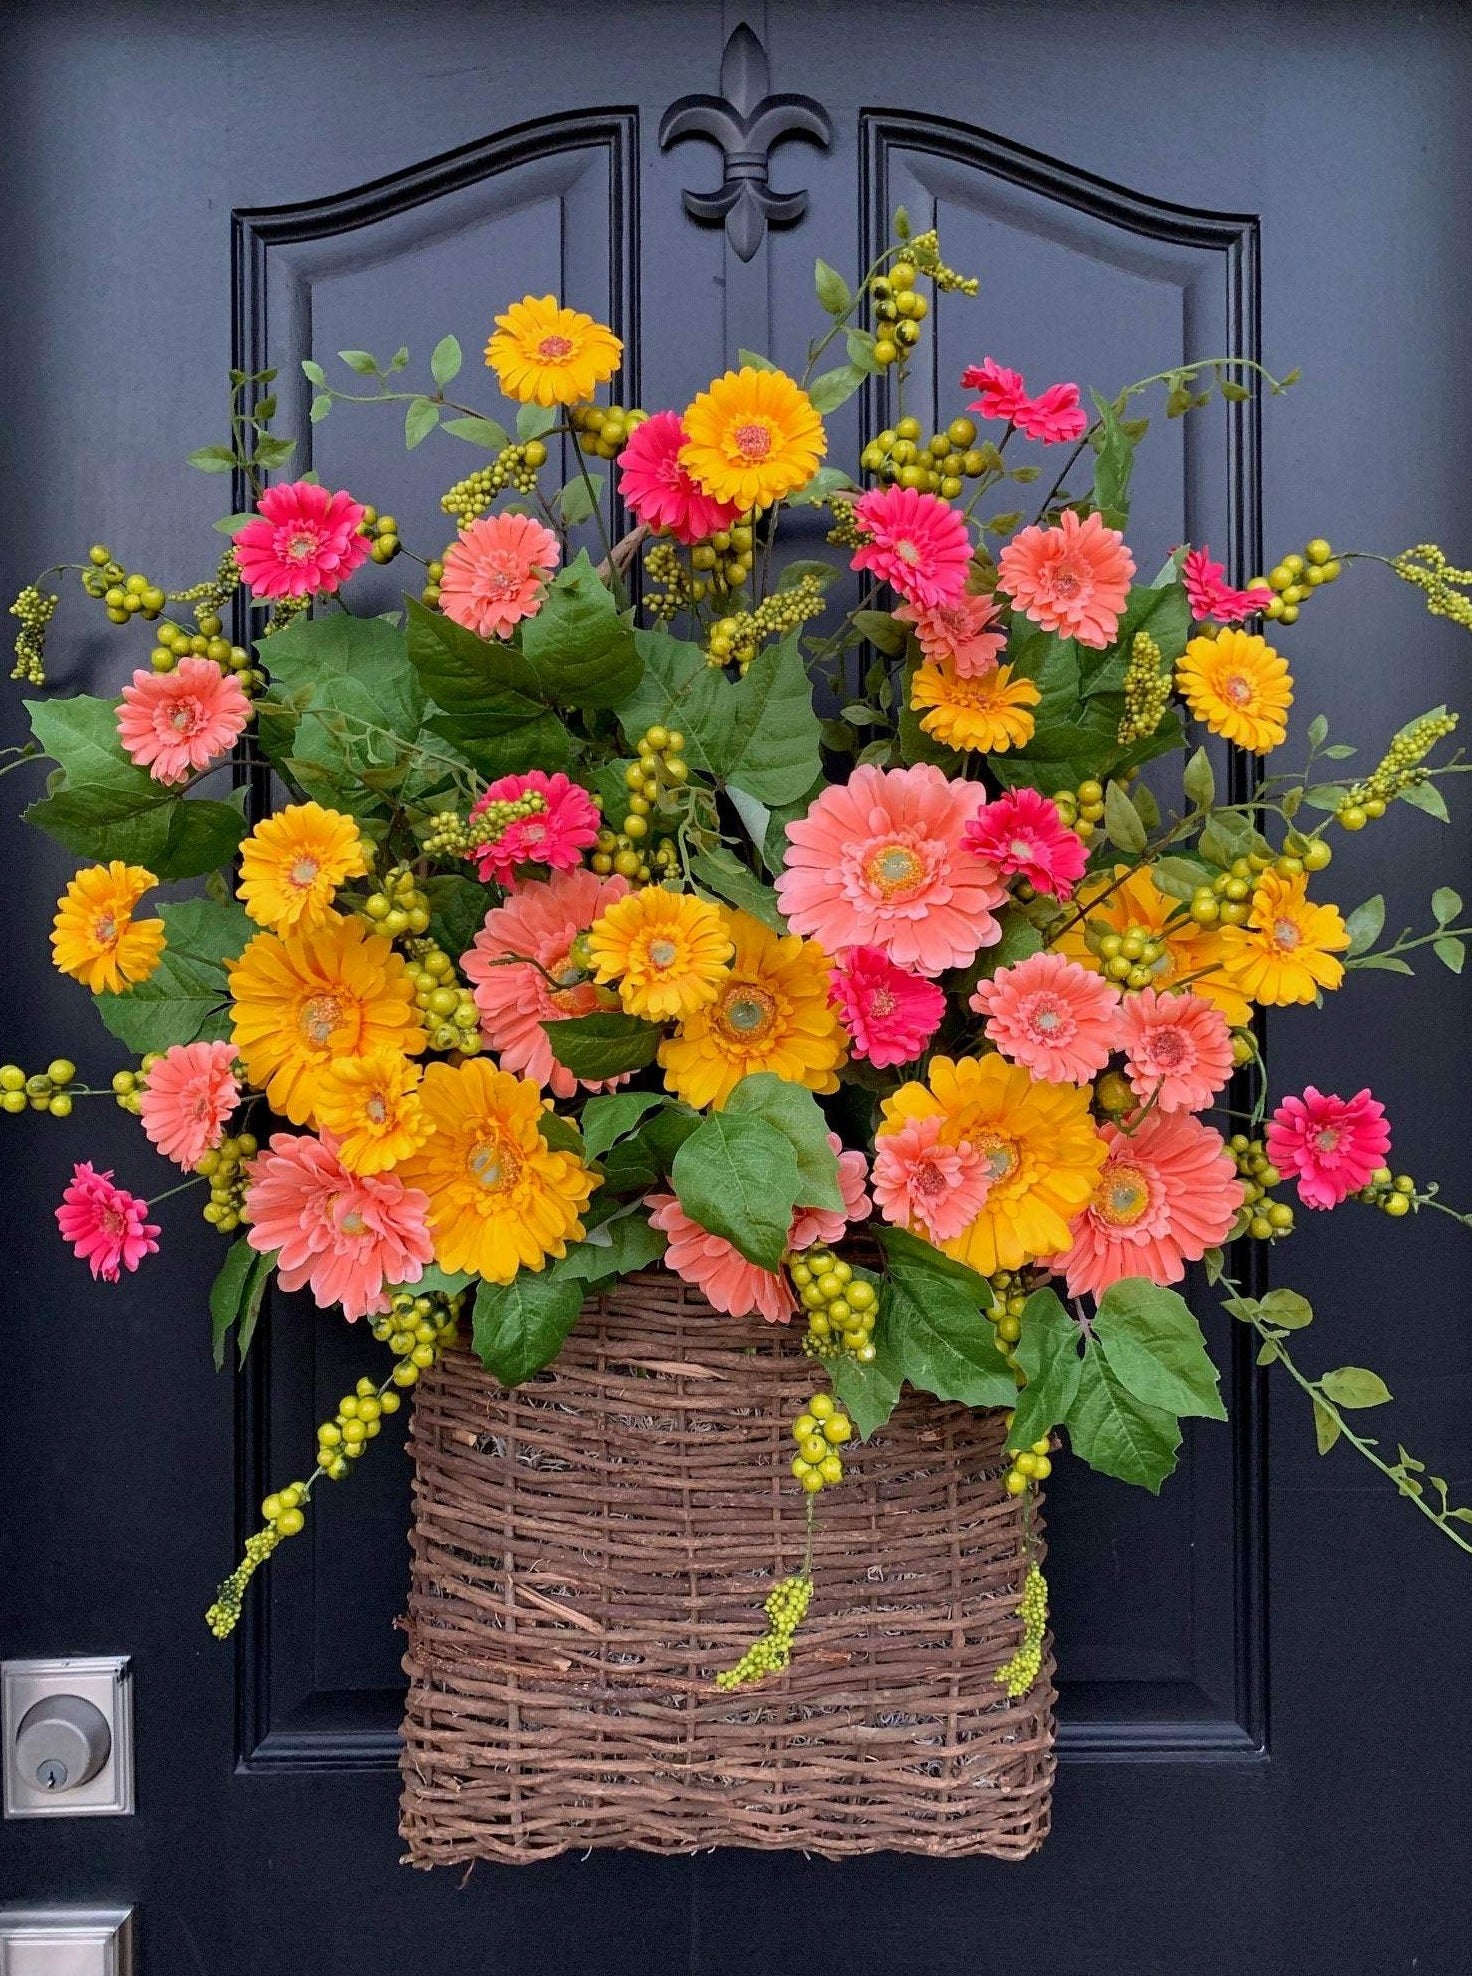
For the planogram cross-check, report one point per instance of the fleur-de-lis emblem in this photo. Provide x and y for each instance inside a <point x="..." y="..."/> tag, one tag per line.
<point x="747" y="123"/>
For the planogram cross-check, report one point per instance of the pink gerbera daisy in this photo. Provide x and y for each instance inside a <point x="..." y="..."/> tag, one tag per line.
<point x="917" y="542"/>
<point x="1178" y="1049"/>
<point x="1211" y="597"/>
<point x="957" y="634"/>
<point x="1331" y="1145"/>
<point x="1057" y="1019"/>
<point x="890" y="1013"/>
<point x="520" y="945"/>
<point x="345" y="1235"/>
<point x="1023" y="835"/>
<point x="304" y="540"/>
<point x="494" y="573"/>
<point x="660" y="488"/>
<point x="176" y="723"/>
<point x="187" y="1100"/>
<point x="810" y="1225"/>
<point x="106" y="1226"/>
<point x="1073" y="579"/>
<point x="922" y="1183"/>
<point x="1053" y="416"/>
<point x="880" y="861"/>
<point x="559" y="821"/>
<point x="1167" y="1192"/>
<point x="717" y="1267"/>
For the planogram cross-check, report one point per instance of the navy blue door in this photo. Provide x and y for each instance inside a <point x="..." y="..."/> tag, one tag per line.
<point x="1264" y="1673"/>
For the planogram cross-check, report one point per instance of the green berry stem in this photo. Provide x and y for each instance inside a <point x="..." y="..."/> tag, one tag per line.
<point x="615" y="579"/>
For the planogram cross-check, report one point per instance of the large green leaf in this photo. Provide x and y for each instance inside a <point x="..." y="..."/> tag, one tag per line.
<point x="1047" y="1351"/>
<point x="519" y="1327"/>
<point x="185" y="999"/>
<point x="1118" y="1434"/>
<point x="869" y="1393"/>
<point x="721" y="872"/>
<point x="459" y="671"/>
<point x="934" y="1324"/>
<point x="602" y="1045"/>
<point x="606" y="1120"/>
<point x="496" y="742"/>
<point x="579" y="648"/>
<point x="738" y="1177"/>
<point x="620" y="1245"/>
<point x="796" y="1114"/>
<point x="1155" y="1349"/>
<point x="235" y="1297"/>
<point x="1052" y="664"/>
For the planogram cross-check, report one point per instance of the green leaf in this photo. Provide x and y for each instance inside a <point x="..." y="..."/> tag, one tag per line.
<point x="1113" y="460"/>
<point x="421" y="417"/>
<point x="1318" y="731"/>
<point x="1355" y="1386"/>
<point x="360" y="361"/>
<point x="1118" y="1434"/>
<point x="231" y="524"/>
<point x="212" y="459"/>
<point x="1199" y="780"/>
<point x="796" y="1114"/>
<point x="1048" y="1353"/>
<point x="313" y="372"/>
<point x="580" y="497"/>
<point x="533" y="420"/>
<point x="1180" y="878"/>
<point x="720" y="871"/>
<point x="496" y="743"/>
<point x="933" y="1319"/>
<point x="882" y="631"/>
<point x="1122" y="825"/>
<point x="1364" y="925"/>
<point x="833" y="291"/>
<point x="738" y="1177"/>
<point x="626" y="1242"/>
<point x="581" y="652"/>
<point x="559" y="1133"/>
<point x="1426" y="796"/>
<point x="445" y="360"/>
<point x="609" y="1118"/>
<point x="1154" y="1348"/>
<point x="826" y="481"/>
<point x="451" y="1282"/>
<point x="185" y="999"/>
<point x="603" y="1045"/>
<point x="835" y="387"/>
<point x="478" y="431"/>
<point x="1327" y="1427"/>
<point x="754" y="360"/>
<point x="272" y="452"/>
<point x="1451" y="953"/>
<point x="1445" y="904"/>
<point x="235" y="1297"/>
<point x="860" y="346"/>
<point x="520" y="1326"/>
<point x="1288" y="1309"/>
<point x="457" y="909"/>
<point x="320" y="406"/>
<point x="1383" y="963"/>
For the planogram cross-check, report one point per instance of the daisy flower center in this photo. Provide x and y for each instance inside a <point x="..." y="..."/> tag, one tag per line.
<point x="113" y="1222"/>
<point x="377" y="1108"/>
<point x="319" y="1017"/>
<point x="1123" y="1197"/>
<point x="663" y="952"/>
<point x="907" y="551"/>
<point x="997" y="1154"/>
<point x="501" y="576"/>
<point x="754" y="441"/>
<point x="1020" y="849"/>
<point x="1237" y="689"/>
<point x="882" y="1002"/>
<point x="105" y="929"/>
<point x="929" y="1179"/>
<point x="1286" y="934"/>
<point x="1049" y="1018"/>
<point x="895" y="869"/>
<point x="1067" y="582"/>
<point x="303" y="545"/>
<point x="1169" y="1049"/>
<point x="303" y="872"/>
<point x="555" y="349"/>
<point x="1326" y="1139"/>
<point x="186" y="717"/>
<point x="352" y="1223"/>
<point x="747" y="1011"/>
<point x="493" y="1165"/>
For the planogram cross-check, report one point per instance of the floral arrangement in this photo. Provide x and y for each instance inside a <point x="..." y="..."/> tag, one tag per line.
<point x="842" y="933"/>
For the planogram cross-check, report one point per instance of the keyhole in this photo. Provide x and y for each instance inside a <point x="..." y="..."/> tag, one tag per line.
<point x="51" y="1775"/>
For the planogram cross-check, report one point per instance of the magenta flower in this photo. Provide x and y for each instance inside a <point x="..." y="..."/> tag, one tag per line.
<point x="1331" y="1145"/>
<point x="1054" y="416"/>
<point x="305" y="540"/>
<point x="106" y="1226"/>
<point x="917" y="543"/>
<point x="556" y="833"/>
<point x="1023" y="835"/>
<point x="1210" y="597"/>
<point x="661" y="490"/>
<point x="890" y="1013"/>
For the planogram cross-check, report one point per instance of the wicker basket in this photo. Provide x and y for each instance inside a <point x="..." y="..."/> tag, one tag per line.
<point x="589" y="1549"/>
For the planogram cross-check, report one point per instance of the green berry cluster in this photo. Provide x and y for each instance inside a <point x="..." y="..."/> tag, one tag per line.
<point x="786" y="1607"/>
<point x="384" y="531"/>
<point x="1147" y="690"/>
<point x="450" y="836"/>
<point x="1265" y="1220"/>
<point x="1440" y="582"/>
<point x="175" y="643"/>
<point x="43" y="1091"/>
<point x="127" y="1085"/>
<point x="741" y="636"/>
<point x="924" y="251"/>
<point x="210" y="597"/>
<point x="1293" y="579"/>
<point x="937" y="465"/>
<point x="670" y="587"/>
<point x="898" y="312"/>
<point x="1129" y="958"/>
<point x="841" y="1306"/>
<point x="224" y="1168"/>
<point x="1400" y="769"/>
<point x="224" y="1615"/>
<point x="1082" y="809"/>
<point x="1227" y="900"/>
<point x="35" y="609"/>
<point x="359" y="1419"/>
<point x="820" y="1431"/>
<point x="603" y="429"/>
<point x="644" y="844"/>
<point x="491" y="821"/>
<point x="125" y="594"/>
<point x="1018" y="1674"/>
<point x="451" y="1018"/>
<point x="416" y="1329"/>
<point x="1393" y="1194"/>
<point x="1029" y="1465"/>
<point x="516" y="465"/>
<point x="725" y="559"/>
<point x="434" y="576"/>
<point x="398" y="906"/>
<point x="1009" y="1301"/>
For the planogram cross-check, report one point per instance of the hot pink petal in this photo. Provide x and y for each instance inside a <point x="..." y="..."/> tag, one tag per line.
<point x="305" y="541"/>
<point x="659" y="488"/>
<point x="1023" y="835"/>
<point x="1331" y="1145"/>
<point x="1210" y="596"/>
<point x="1054" y="416"/>
<point x="106" y="1226"/>
<point x="890" y="1013"/>
<point x="557" y="834"/>
<point x="917" y="543"/>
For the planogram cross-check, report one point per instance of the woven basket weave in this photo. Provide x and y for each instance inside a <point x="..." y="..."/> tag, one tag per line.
<point x="589" y="1549"/>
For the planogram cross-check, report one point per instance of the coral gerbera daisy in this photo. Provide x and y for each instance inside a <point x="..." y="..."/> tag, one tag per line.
<point x="717" y="1268"/>
<point x="293" y="862"/>
<point x="958" y="634"/>
<point x="544" y="354"/>
<point x="1211" y="596"/>
<point x="1052" y="1015"/>
<point x="1177" y="1048"/>
<point x="917" y="543"/>
<point x="370" y="1106"/>
<point x="1285" y="952"/>
<point x="771" y="1012"/>
<point x="95" y="938"/>
<point x="660" y="489"/>
<point x="305" y="540"/>
<point x="881" y="861"/>
<point x="1239" y="686"/>
<point x="500" y="1199"/>
<point x="1054" y="416"/>
<point x="890" y="1013"/>
<point x="533" y="818"/>
<point x="176" y="723"/>
<point x="187" y="1100"/>
<point x="987" y="714"/>
<point x="106" y="1225"/>
<point x="1024" y="836"/>
<point x="495" y="572"/>
<point x="1127" y="901"/>
<point x="523" y="975"/>
<point x="1168" y="1192"/>
<point x="931" y="1185"/>
<point x="666" y="950"/>
<point x="1331" y="1145"/>
<point x="1036" y="1142"/>
<point x="307" y="1000"/>
<point x="1073" y="579"/>
<point x="343" y="1235"/>
<point x="753" y="436"/>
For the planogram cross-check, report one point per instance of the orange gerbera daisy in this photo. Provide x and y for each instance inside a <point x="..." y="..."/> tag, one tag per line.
<point x="1239" y="686"/>
<point x="544" y="354"/>
<point x="666" y="950"/>
<point x="95" y="938"/>
<point x="986" y="713"/>
<point x="1126" y="902"/>
<point x="293" y="862"/>
<point x="307" y="1001"/>
<point x="1285" y="952"/>
<point x="370" y="1105"/>
<point x="752" y="437"/>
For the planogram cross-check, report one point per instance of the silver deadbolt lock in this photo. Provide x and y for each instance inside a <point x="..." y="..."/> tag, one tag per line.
<point x="62" y="1742"/>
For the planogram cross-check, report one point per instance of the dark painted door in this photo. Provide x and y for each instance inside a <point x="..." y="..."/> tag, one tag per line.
<point x="1264" y="1673"/>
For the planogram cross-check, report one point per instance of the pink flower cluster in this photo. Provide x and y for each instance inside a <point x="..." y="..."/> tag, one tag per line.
<point x="1055" y="416"/>
<point x="1210" y="596"/>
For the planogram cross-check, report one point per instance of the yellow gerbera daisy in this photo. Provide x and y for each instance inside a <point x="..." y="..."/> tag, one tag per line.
<point x="1239" y="686"/>
<point x="753" y="437"/>
<point x="772" y="1012"/>
<point x="95" y="937"/>
<point x="306" y="1001"/>
<point x="544" y="354"/>
<point x="1285" y="952"/>
<point x="371" y="1107"/>
<point x="1037" y="1140"/>
<point x="499" y="1198"/>
<point x="293" y="862"/>
<point x="988" y="713"/>
<point x="1126" y="902"/>
<point x="667" y="951"/>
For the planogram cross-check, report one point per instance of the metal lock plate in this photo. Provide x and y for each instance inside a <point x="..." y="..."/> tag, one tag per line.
<point x="60" y="1760"/>
<point x="66" y="1941"/>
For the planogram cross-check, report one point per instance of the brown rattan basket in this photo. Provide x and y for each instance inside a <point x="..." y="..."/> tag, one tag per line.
<point x="589" y="1549"/>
